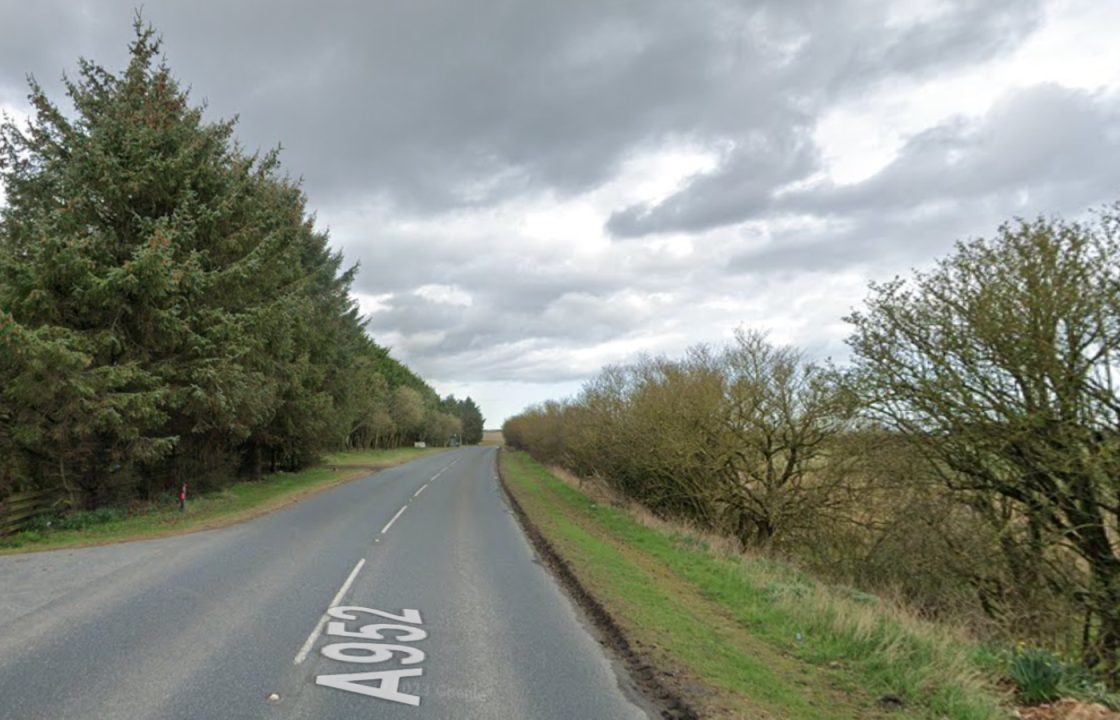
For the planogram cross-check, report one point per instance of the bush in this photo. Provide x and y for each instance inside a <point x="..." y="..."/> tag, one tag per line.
<point x="85" y="519"/>
<point x="41" y="523"/>
<point x="1037" y="675"/>
<point x="1041" y="676"/>
<point x="966" y="462"/>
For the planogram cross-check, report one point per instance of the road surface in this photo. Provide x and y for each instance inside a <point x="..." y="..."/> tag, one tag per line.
<point x="439" y="611"/>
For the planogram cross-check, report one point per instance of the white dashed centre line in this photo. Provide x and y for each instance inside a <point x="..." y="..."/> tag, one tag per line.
<point x="420" y="490"/>
<point x="390" y="523"/>
<point x="302" y="654"/>
<point x="442" y="471"/>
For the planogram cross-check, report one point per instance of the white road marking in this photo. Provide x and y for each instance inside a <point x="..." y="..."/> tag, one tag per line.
<point x="414" y="495"/>
<point x="390" y="523"/>
<point x="387" y="688"/>
<point x="381" y="684"/>
<point x="302" y="654"/>
<point x="443" y="470"/>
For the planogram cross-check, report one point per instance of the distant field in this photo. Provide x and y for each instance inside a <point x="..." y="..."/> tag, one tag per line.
<point x="492" y="437"/>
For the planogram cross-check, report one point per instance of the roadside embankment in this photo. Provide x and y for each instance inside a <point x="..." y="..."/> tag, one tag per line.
<point x="726" y="635"/>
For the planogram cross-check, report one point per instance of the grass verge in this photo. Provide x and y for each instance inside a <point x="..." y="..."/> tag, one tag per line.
<point x="745" y="637"/>
<point x="236" y="503"/>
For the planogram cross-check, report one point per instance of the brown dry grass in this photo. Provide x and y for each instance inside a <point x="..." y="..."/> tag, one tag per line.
<point x="1068" y="710"/>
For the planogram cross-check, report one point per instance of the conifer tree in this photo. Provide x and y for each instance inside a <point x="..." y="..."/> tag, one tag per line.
<point x="168" y="310"/>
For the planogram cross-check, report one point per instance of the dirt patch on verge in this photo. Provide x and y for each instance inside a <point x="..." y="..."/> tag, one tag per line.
<point x="645" y="676"/>
<point x="1068" y="710"/>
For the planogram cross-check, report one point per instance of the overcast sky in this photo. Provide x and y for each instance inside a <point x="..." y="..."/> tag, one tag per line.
<point x="536" y="189"/>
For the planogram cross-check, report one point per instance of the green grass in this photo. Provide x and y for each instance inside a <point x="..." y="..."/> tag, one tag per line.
<point x="761" y="638"/>
<point x="237" y="502"/>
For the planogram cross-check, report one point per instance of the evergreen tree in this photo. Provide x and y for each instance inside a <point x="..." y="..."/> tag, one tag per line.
<point x="168" y="310"/>
<point x="469" y="416"/>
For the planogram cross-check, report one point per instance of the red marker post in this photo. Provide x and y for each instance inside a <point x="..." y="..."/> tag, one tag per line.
<point x="183" y="498"/>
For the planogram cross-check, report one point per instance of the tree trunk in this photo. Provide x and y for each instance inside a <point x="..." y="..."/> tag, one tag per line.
<point x="257" y="461"/>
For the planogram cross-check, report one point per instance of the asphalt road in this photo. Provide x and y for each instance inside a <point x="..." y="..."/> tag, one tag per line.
<point x="440" y="611"/>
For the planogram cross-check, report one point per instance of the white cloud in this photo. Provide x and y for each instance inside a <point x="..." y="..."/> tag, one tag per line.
<point x="445" y="295"/>
<point x="862" y="135"/>
<point x="370" y="304"/>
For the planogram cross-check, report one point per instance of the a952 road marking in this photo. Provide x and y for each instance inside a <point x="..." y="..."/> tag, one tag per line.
<point x="386" y="683"/>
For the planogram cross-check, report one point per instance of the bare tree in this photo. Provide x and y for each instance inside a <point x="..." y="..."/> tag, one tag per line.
<point x="779" y="415"/>
<point x="999" y="365"/>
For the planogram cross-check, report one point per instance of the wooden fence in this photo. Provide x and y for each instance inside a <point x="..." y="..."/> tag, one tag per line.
<point x="19" y="509"/>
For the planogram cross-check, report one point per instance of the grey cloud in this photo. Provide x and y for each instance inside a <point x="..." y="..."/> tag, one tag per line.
<point x="496" y="318"/>
<point x="829" y="66"/>
<point x="742" y="188"/>
<point x="1045" y="140"/>
<point x="444" y="104"/>
<point x="1040" y="149"/>
<point x="887" y="242"/>
<point x="433" y="104"/>
<point x="968" y="31"/>
<point x="400" y="263"/>
<point x="523" y="323"/>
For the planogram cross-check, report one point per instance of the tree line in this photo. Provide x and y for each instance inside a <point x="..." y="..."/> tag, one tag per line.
<point x="968" y="456"/>
<point x="168" y="310"/>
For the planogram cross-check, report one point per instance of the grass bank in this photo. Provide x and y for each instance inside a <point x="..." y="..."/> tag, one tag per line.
<point x="744" y="637"/>
<point x="236" y="503"/>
